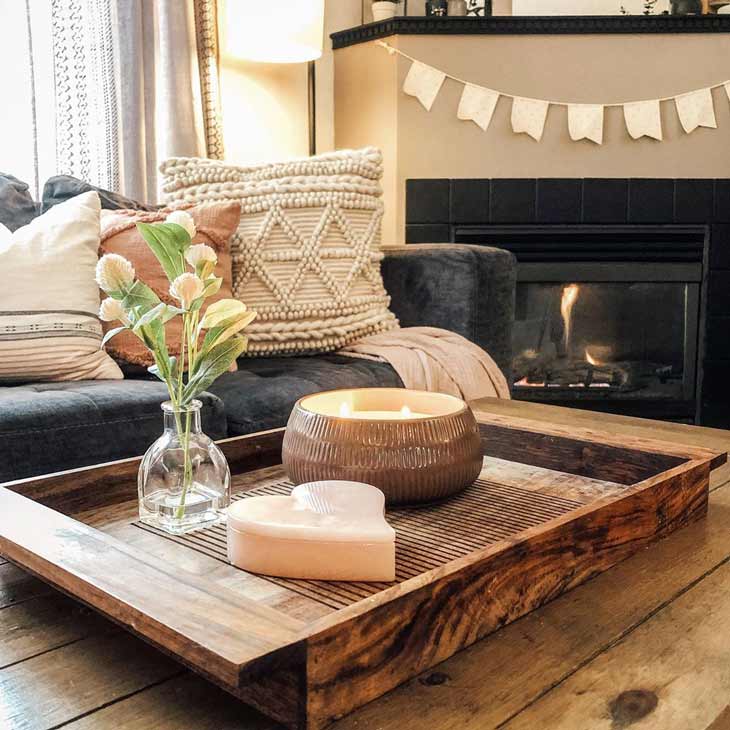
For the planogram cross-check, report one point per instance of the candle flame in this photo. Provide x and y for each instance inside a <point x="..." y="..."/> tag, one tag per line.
<point x="591" y="360"/>
<point x="345" y="411"/>
<point x="405" y="412"/>
<point x="570" y="294"/>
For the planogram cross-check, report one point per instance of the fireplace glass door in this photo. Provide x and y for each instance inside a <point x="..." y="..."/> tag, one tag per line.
<point x="605" y="341"/>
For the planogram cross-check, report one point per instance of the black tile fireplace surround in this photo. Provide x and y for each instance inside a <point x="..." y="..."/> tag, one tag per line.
<point x="657" y="247"/>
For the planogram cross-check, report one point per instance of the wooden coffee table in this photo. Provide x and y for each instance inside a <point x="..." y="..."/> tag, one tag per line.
<point x="647" y="637"/>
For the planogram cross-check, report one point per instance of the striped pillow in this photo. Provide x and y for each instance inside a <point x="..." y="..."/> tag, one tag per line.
<point x="49" y="328"/>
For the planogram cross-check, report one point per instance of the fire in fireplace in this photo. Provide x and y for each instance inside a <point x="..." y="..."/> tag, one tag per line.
<point x="606" y="318"/>
<point x="607" y="339"/>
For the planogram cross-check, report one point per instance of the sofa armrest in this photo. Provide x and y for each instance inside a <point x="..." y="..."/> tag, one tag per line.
<point x="469" y="290"/>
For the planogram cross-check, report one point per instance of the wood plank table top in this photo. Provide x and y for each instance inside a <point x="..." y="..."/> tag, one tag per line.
<point x="642" y="646"/>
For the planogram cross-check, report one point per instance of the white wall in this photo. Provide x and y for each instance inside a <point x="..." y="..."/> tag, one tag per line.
<point x="264" y="105"/>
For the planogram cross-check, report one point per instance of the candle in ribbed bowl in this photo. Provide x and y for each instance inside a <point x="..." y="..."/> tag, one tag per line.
<point x="414" y="446"/>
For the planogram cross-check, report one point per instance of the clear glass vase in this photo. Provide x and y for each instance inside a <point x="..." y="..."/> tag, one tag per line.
<point x="184" y="480"/>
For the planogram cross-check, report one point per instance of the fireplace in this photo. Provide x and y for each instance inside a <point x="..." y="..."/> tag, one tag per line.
<point x="623" y="288"/>
<point x="607" y="317"/>
<point x="603" y="342"/>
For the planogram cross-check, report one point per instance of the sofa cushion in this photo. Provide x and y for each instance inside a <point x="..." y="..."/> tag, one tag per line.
<point x="306" y="255"/>
<point x="263" y="391"/>
<point x="62" y="187"/>
<point x="17" y="207"/>
<point x="49" y="323"/>
<point x="214" y="224"/>
<point x="50" y="427"/>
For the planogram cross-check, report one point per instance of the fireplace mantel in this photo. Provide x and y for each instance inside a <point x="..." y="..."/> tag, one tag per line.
<point x="533" y="25"/>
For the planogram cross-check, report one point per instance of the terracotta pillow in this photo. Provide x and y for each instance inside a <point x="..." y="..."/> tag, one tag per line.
<point x="215" y="224"/>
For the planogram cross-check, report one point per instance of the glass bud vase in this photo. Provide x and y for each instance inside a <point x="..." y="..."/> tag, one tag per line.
<point x="184" y="480"/>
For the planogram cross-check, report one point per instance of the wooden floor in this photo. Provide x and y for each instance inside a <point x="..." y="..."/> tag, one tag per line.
<point x="644" y="646"/>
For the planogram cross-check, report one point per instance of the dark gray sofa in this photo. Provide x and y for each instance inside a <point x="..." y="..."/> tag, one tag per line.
<point x="50" y="427"/>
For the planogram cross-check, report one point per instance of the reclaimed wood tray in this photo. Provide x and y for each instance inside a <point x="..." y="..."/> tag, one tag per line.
<point x="552" y="508"/>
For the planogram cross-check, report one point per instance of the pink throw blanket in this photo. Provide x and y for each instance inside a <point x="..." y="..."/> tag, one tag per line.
<point x="428" y="358"/>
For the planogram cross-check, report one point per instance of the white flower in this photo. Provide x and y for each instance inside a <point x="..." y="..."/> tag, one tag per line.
<point x="183" y="219"/>
<point x="114" y="273"/>
<point x="112" y="310"/>
<point x="199" y="254"/>
<point x="187" y="288"/>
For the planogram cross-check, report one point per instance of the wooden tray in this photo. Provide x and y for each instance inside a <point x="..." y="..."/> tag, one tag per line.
<point x="552" y="508"/>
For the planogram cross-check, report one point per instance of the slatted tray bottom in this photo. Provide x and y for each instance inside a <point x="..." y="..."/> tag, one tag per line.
<point x="427" y="537"/>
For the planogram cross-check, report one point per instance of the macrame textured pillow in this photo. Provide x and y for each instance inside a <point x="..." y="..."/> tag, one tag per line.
<point x="306" y="255"/>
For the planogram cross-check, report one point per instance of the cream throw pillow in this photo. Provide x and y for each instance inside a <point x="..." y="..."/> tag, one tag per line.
<point x="49" y="301"/>
<point x="306" y="255"/>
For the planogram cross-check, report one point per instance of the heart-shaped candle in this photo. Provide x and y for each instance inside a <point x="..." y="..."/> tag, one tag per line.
<point x="329" y="530"/>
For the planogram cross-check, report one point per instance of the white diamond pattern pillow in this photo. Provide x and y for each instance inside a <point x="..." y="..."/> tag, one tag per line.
<point x="306" y="255"/>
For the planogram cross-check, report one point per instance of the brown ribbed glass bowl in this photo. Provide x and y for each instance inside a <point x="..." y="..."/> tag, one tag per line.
<point x="409" y="459"/>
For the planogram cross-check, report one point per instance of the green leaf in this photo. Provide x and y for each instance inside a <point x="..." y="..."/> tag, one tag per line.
<point x="212" y="286"/>
<point x="162" y="312"/>
<point x="212" y="365"/>
<point x="154" y="370"/>
<point x="140" y="298"/>
<point x="153" y="336"/>
<point x="221" y="311"/>
<point x="110" y="334"/>
<point x="218" y="335"/>
<point x="168" y="370"/>
<point x="181" y="235"/>
<point x="197" y="304"/>
<point x="205" y="269"/>
<point x="166" y="243"/>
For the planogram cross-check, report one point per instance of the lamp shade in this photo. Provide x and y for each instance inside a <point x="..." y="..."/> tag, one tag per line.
<point x="285" y="31"/>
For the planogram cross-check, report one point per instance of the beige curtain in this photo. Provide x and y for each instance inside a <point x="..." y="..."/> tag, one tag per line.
<point x="136" y="82"/>
<point x="160" y="106"/>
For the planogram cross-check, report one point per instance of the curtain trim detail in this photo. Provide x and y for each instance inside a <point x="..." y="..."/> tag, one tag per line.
<point x="206" y="35"/>
<point x="87" y="120"/>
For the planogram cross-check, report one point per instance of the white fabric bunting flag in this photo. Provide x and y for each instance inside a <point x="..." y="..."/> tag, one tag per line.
<point x="424" y="82"/>
<point x="477" y="104"/>
<point x="528" y="116"/>
<point x="585" y="121"/>
<point x="643" y="119"/>
<point x="696" y="110"/>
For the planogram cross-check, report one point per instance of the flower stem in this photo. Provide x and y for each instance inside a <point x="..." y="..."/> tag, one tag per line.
<point x="187" y="462"/>
<point x="184" y="435"/>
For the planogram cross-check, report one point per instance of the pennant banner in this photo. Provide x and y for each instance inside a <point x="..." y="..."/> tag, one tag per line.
<point x="696" y="110"/>
<point x="424" y="82"/>
<point x="528" y="117"/>
<point x="477" y="104"/>
<point x="585" y="121"/>
<point x="643" y="119"/>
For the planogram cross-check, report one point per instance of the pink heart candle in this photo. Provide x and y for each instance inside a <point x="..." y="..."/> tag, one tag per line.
<point x="330" y="530"/>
